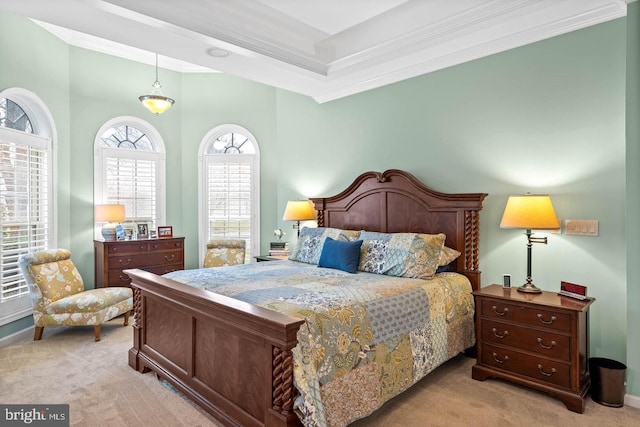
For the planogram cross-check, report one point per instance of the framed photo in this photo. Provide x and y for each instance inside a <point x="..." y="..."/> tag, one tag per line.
<point x="143" y="231"/>
<point x="165" y="231"/>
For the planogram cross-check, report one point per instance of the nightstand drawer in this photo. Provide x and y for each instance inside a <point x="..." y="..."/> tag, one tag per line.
<point x="547" y="344"/>
<point x="545" y="370"/>
<point x="530" y="315"/>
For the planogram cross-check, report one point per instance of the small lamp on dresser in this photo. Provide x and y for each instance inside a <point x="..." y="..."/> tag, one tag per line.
<point x="299" y="210"/>
<point x="531" y="212"/>
<point x="111" y="215"/>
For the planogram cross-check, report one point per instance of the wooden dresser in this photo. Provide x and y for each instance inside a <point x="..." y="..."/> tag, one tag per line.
<point x="536" y="340"/>
<point x="158" y="256"/>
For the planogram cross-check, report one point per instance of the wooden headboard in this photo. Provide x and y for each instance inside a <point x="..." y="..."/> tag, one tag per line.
<point x="395" y="201"/>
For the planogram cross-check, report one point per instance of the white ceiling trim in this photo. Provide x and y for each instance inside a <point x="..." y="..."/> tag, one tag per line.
<point x="296" y="46"/>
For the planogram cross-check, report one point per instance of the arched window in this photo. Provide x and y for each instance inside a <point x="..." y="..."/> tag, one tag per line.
<point x="27" y="199"/>
<point x="229" y="176"/>
<point x="130" y="170"/>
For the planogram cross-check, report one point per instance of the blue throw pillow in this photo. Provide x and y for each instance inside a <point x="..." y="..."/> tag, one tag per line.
<point x="341" y="255"/>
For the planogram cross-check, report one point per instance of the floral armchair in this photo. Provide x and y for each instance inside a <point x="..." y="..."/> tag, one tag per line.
<point x="59" y="298"/>
<point x="222" y="253"/>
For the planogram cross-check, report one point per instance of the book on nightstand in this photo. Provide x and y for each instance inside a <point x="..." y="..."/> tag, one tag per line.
<point x="279" y="249"/>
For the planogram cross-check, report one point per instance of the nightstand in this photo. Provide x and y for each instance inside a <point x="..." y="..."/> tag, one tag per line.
<point x="261" y="258"/>
<point x="540" y="341"/>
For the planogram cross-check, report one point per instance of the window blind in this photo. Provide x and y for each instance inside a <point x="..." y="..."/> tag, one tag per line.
<point x="24" y="210"/>
<point x="132" y="182"/>
<point x="229" y="196"/>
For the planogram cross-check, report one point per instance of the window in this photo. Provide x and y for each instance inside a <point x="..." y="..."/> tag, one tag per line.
<point x="26" y="194"/>
<point x="130" y="170"/>
<point x="230" y="188"/>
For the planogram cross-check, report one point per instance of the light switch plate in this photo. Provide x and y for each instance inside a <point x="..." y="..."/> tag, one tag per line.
<point x="581" y="227"/>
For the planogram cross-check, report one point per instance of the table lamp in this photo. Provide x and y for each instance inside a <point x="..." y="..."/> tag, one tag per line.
<point x="531" y="212"/>
<point x="299" y="210"/>
<point x="111" y="215"/>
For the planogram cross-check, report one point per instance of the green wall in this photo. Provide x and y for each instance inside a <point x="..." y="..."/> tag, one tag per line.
<point x="548" y="117"/>
<point x="633" y="198"/>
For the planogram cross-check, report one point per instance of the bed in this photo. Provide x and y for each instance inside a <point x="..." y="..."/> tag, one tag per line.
<point x="251" y="360"/>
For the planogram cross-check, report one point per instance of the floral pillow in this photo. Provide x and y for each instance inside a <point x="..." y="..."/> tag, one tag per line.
<point x="447" y="256"/>
<point x="401" y="254"/>
<point x="311" y="241"/>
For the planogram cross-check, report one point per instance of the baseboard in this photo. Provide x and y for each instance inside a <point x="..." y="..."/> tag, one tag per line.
<point x="633" y="401"/>
<point x="17" y="336"/>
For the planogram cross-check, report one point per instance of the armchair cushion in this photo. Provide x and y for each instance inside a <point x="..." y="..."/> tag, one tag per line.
<point x="89" y="301"/>
<point x="222" y="253"/>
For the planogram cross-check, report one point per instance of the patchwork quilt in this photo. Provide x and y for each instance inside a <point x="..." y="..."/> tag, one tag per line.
<point x="366" y="337"/>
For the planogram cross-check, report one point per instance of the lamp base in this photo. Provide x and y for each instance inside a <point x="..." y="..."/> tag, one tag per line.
<point x="529" y="288"/>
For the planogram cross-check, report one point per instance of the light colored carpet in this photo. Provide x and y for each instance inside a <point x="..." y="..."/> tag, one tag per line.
<point x="94" y="378"/>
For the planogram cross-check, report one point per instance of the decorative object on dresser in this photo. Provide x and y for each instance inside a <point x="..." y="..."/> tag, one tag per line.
<point x="537" y="340"/>
<point x="158" y="256"/>
<point x="531" y="212"/>
<point x="143" y="230"/>
<point x="165" y="231"/>
<point x="298" y="210"/>
<point x="111" y="215"/>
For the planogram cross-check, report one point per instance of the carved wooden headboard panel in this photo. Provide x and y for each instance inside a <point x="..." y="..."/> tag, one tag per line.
<point x="395" y="201"/>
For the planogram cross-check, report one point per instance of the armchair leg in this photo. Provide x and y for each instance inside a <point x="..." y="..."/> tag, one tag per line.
<point x="37" y="333"/>
<point x="96" y="331"/>
<point x="126" y="318"/>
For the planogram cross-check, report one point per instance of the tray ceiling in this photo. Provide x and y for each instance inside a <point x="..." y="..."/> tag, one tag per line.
<point x="326" y="49"/>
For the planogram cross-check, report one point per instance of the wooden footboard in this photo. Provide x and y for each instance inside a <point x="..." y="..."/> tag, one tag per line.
<point x="232" y="358"/>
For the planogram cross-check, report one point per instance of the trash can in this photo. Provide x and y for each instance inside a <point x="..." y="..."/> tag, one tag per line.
<point x="607" y="381"/>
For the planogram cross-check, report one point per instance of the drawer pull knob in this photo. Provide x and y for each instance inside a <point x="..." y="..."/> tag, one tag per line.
<point x="504" y="335"/>
<point x="500" y="313"/>
<point x="553" y="344"/>
<point x="124" y="278"/>
<point x="169" y="257"/>
<point x="495" y="357"/>
<point x="546" y="374"/>
<point x="125" y="263"/>
<point x="553" y="319"/>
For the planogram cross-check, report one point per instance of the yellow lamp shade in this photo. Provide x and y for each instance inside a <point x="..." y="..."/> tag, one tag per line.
<point x="157" y="104"/>
<point x="531" y="211"/>
<point x="299" y="210"/>
<point x="110" y="213"/>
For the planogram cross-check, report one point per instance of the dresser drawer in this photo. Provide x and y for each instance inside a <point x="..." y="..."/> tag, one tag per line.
<point x="160" y="244"/>
<point x="128" y="247"/>
<point x="142" y="260"/>
<point x="539" y="368"/>
<point x="530" y="315"/>
<point x="545" y="343"/>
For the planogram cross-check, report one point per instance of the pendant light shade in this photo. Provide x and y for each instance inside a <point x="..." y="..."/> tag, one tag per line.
<point x="156" y="102"/>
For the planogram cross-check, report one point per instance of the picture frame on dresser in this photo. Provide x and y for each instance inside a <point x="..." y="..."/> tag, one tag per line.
<point x="165" y="231"/>
<point x="143" y="230"/>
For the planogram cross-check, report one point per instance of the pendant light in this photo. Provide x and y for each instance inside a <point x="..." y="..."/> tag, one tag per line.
<point x="157" y="103"/>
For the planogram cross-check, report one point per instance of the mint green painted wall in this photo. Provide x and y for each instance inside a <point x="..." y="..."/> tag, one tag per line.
<point x="548" y="117"/>
<point x="31" y="59"/>
<point x="633" y="198"/>
<point x="105" y="87"/>
<point x="210" y="100"/>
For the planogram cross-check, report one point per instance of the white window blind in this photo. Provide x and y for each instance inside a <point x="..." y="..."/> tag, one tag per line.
<point x="24" y="208"/>
<point x="132" y="182"/>
<point x="230" y="206"/>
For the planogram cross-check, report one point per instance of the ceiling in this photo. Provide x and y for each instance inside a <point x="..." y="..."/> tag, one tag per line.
<point x="326" y="49"/>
